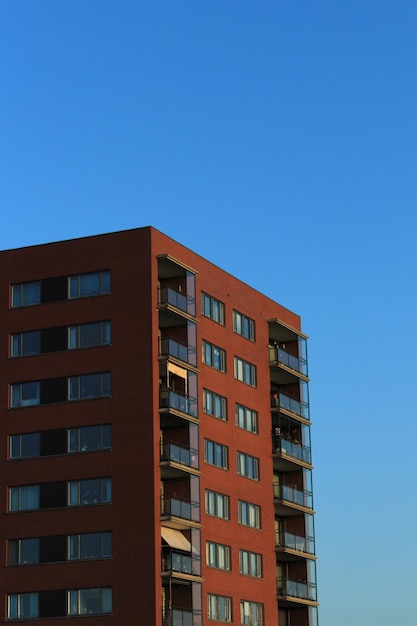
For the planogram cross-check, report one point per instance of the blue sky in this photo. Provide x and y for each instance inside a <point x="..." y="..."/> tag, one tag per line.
<point x="278" y="139"/>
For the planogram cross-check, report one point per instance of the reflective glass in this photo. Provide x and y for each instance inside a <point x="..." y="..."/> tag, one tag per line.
<point x="29" y="551"/>
<point x="30" y="445"/>
<point x="89" y="285"/>
<point x="90" y="546"/>
<point x="30" y="394"/>
<point x="89" y="386"/>
<point x="31" y="294"/>
<point x="31" y="343"/>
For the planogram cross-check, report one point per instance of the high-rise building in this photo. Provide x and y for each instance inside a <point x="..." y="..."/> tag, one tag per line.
<point x="155" y="441"/>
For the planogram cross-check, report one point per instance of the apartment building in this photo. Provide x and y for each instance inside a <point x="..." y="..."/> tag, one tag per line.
<point x="155" y="441"/>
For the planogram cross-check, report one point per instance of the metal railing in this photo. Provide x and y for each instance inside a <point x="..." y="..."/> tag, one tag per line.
<point x="169" y="295"/>
<point x="178" y="617"/>
<point x="278" y="355"/>
<point x="296" y="589"/>
<point x="185" y="509"/>
<point x="171" y="451"/>
<point x="178" y="401"/>
<point x="180" y="563"/>
<point x="294" y="542"/>
<point x="283" y="401"/>
<point x="178" y="350"/>
<point x="294" y="450"/>
<point x="294" y="495"/>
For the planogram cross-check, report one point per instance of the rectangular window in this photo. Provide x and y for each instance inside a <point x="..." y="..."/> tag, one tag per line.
<point x="251" y="613"/>
<point x="88" y="285"/>
<point x="249" y="514"/>
<point x="218" y="555"/>
<point x="243" y="325"/>
<point x="89" y="386"/>
<point x="23" y="606"/>
<point x="246" y="418"/>
<point x="212" y="308"/>
<point x="219" y="608"/>
<point x="250" y="563"/>
<point x="25" y="394"/>
<point x="213" y="356"/>
<point x="245" y="372"/>
<point x="247" y="465"/>
<point x="90" y="546"/>
<point x="217" y="504"/>
<point x="89" y="335"/>
<point x="26" y="294"/>
<point x="90" y="601"/>
<point x="60" y="441"/>
<point x="25" y="344"/>
<point x="60" y="288"/>
<point x="216" y="454"/>
<point x="214" y="405"/>
<point x="23" y="551"/>
<point x="89" y="491"/>
<point x="25" y="498"/>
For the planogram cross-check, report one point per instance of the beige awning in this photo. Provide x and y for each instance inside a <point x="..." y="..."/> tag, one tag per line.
<point x="178" y="371"/>
<point x="175" y="539"/>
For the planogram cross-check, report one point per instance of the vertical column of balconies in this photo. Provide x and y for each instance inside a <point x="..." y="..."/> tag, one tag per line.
<point x="292" y="481"/>
<point x="179" y="445"/>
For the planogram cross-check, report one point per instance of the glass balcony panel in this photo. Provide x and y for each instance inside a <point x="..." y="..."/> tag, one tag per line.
<point x="168" y="295"/>
<point x="171" y="347"/>
<point x="297" y="589"/>
<point x="301" y="453"/>
<point x="296" y="496"/>
<point x="178" y="401"/>
<point x="178" y="617"/>
<point x="179" y="454"/>
<point x="290" y="404"/>
<point x="295" y="542"/>
<point x="180" y="508"/>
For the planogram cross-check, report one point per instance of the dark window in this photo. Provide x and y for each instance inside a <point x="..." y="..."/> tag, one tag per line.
<point x="53" y="442"/>
<point x="53" y="495"/>
<point x="53" y="390"/>
<point x="54" y="289"/>
<point x="54" y="339"/>
<point x="53" y="549"/>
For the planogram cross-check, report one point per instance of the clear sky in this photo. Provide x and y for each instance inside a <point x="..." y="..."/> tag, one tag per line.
<point x="279" y="140"/>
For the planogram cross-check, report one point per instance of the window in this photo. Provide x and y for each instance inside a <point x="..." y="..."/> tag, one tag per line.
<point x="249" y="514"/>
<point x="245" y="372"/>
<point x="213" y="356"/>
<point x="212" y="308"/>
<point x="247" y="465"/>
<point x="246" y="418"/>
<point x="24" y="498"/>
<point x="90" y="546"/>
<point x="89" y="386"/>
<point x="250" y="563"/>
<point x="23" y="551"/>
<point x="26" y="294"/>
<point x="214" y="405"/>
<point x="22" y="606"/>
<point x="60" y="548"/>
<point x="251" y="613"/>
<point x="87" y="285"/>
<point x="55" y="390"/>
<point x="90" y="601"/>
<point x="89" y="491"/>
<point x="60" y="288"/>
<point x="60" y="441"/>
<point x="218" y="555"/>
<point x="217" y="504"/>
<point x="219" y="608"/>
<point x="25" y="394"/>
<point x="25" y="344"/>
<point x="243" y="325"/>
<point x="89" y="335"/>
<point x="216" y="454"/>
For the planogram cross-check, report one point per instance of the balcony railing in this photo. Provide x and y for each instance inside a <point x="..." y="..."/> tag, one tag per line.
<point x="296" y="496"/>
<point x="171" y="451"/>
<point x="294" y="542"/>
<point x="184" y="509"/>
<point x="169" y="295"/>
<point x="180" y="563"/>
<point x="296" y="589"/>
<point x="171" y="347"/>
<point x="278" y="355"/>
<point x="294" y="450"/>
<point x="178" y="401"/>
<point x="290" y="404"/>
<point x="180" y="617"/>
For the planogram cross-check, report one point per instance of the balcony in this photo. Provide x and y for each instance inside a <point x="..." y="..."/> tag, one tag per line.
<point x="290" y="454"/>
<point x="294" y="591"/>
<point x="171" y="348"/>
<point x="278" y="356"/>
<point x="170" y="297"/>
<point x="177" y="564"/>
<point x="291" y="498"/>
<point x="294" y="546"/>
<point x="181" y="617"/>
<point x="179" y="402"/>
<point x="297" y="407"/>
<point x="178" y="513"/>
<point x="175" y="459"/>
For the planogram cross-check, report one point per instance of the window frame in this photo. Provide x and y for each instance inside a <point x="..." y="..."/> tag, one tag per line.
<point x="20" y="598"/>
<point x="214" y="451"/>
<point x="243" y="325"/>
<point x="75" y="492"/>
<point x="249" y="512"/>
<point x="213" y="356"/>
<point x="251" y="613"/>
<point x="75" y="598"/>
<point x="250" y="563"/>
<point x="246" y="418"/>
<point x="212" y="308"/>
<point x="217" y="504"/>
<point x="249" y="464"/>
<point x="245" y="372"/>
<point x="218" y="556"/>
<point x="217" y="403"/>
<point x="218" y="607"/>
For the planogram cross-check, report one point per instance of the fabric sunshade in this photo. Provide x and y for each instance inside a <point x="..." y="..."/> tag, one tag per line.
<point x="175" y="539"/>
